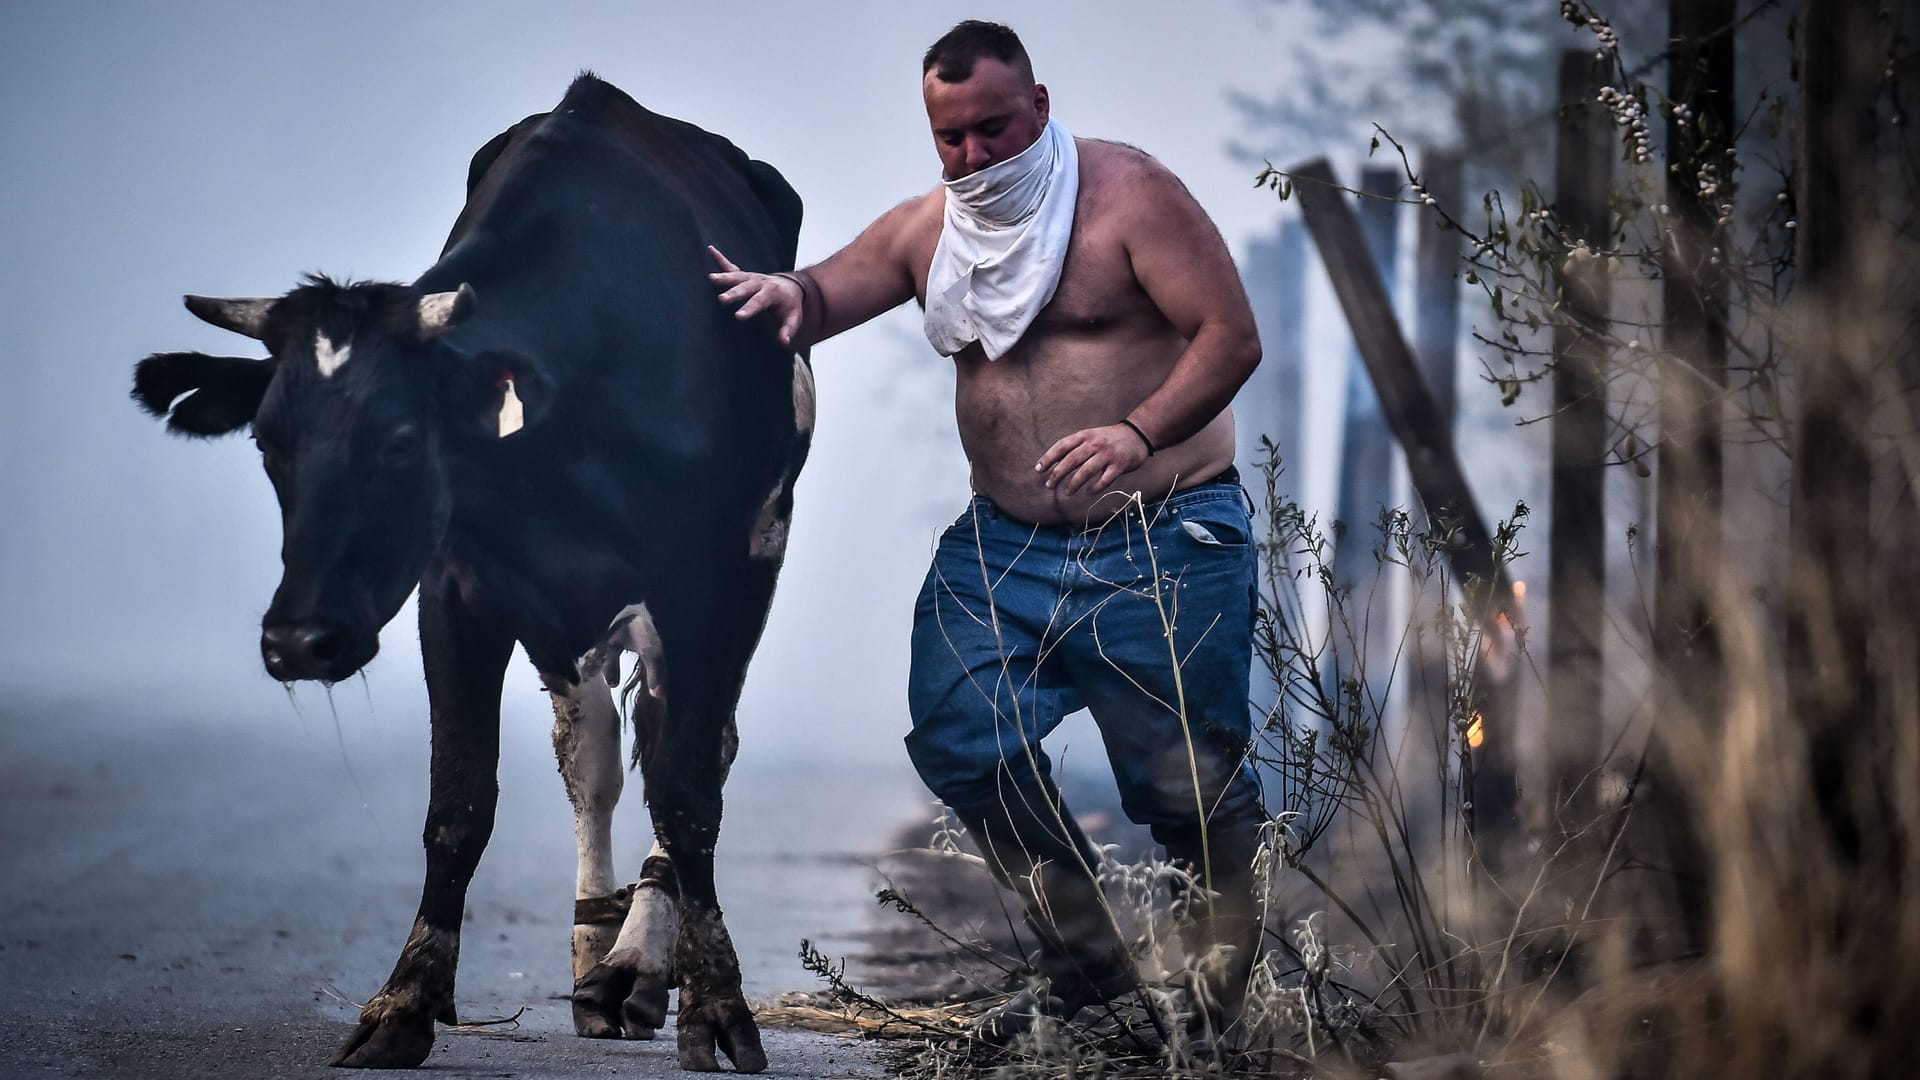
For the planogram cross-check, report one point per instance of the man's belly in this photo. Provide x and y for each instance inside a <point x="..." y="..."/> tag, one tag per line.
<point x="1009" y="416"/>
<point x="1021" y="492"/>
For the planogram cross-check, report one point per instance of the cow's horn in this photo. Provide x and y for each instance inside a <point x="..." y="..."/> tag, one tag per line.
<point x="248" y="316"/>
<point x="442" y="311"/>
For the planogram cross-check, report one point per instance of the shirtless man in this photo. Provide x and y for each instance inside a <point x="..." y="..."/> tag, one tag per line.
<point x="1099" y="330"/>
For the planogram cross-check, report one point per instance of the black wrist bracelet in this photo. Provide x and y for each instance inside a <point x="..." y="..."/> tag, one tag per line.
<point x="807" y="287"/>
<point x="1142" y="434"/>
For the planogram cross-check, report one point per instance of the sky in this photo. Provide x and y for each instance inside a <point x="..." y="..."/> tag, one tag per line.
<point x="225" y="149"/>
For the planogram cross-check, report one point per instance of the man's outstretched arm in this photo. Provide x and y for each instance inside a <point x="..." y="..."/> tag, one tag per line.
<point x="868" y="276"/>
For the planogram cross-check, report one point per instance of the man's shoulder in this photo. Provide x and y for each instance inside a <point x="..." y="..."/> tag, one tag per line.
<point x="1112" y="155"/>
<point x="917" y="211"/>
<point x="905" y="228"/>
<point x="1115" y="168"/>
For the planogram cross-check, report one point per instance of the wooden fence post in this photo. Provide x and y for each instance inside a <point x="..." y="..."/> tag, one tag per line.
<point x="1689" y="544"/>
<point x="1366" y="467"/>
<point x="1831" y="564"/>
<point x="1576" y="565"/>
<point x="1436" y="307"/>
<point x="1436" y="317"/>
<point x="1415" y="420"/>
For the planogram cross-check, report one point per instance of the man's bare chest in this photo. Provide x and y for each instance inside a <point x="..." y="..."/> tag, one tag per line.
<point x="1097" y="289"/>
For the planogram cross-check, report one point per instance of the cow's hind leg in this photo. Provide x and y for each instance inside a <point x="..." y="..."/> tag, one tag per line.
<point x="586" y="742"/>
<point x="625" y="991"/>
<point x="629" y="989"/>
<point x="466" y="657"/>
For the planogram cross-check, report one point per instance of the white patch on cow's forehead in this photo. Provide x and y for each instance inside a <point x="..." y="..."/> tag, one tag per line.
<point x="329" y="357"/>
<point x="803" y="408"/>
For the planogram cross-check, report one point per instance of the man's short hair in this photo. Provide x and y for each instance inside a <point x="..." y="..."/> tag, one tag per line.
<point x="953" y="56"/>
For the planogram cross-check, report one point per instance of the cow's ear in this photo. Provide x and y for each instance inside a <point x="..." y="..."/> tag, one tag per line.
<point x="202" y="395"/>
<point x="503" y="394"/>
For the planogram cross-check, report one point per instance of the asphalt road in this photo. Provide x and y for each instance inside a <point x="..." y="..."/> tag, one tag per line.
<point x="206" y="897"/>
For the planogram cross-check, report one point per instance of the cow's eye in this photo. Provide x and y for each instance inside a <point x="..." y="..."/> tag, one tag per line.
<point x="271" y="447"/>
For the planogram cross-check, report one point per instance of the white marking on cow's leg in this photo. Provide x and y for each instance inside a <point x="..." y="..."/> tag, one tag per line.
<point x="646" y="943"/>
<point x="328" y="355"/>
<point x="654" y="918"/>
<point x="627" y="991"/>
<point x="769" y="539"/>
<point x="586" y="740"/>
<point x="803" y="406"/>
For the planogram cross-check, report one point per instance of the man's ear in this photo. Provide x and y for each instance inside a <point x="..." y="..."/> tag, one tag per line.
<point x="221" y="392"/>
<point x="501" y="394"/>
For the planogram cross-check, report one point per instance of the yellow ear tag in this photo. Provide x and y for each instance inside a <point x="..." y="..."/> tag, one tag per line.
<point x="512" y="414"/>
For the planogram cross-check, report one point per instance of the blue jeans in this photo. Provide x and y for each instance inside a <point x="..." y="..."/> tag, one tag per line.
<point x="1019" y="625"/>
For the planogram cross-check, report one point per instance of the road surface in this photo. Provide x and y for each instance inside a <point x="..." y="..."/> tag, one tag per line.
<point x="204" y="897"/>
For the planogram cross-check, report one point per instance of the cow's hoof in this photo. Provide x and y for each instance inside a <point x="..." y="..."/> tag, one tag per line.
<point x="597" y="997"/>
<point x="619" y="998"/>
<point x="646" y="1007"/>
<point x="723" y="1022"/>
<point x="589" y="1022"/>
<point x="398" y="1040"/>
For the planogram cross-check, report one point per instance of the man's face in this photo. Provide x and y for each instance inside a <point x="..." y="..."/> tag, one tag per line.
<point x="985" y="120"/>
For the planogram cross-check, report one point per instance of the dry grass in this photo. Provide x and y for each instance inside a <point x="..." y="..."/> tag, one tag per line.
<point x="1389" y="938"/>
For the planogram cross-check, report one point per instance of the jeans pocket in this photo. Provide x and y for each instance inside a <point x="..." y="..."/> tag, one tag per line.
<point x="1219" y="524"/>
<point x="1201" y="533"/>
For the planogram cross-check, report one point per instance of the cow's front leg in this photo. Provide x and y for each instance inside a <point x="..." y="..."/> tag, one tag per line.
<point x="466" y="657"/>
<point x="683" y="791"/>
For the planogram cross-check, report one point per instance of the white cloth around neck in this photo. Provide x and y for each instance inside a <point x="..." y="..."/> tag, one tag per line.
<point x="1002" y="246"/>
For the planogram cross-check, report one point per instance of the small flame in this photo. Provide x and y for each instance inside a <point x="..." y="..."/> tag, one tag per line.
<point x="1476" y="731"/>
<point x="1519" y="590"/>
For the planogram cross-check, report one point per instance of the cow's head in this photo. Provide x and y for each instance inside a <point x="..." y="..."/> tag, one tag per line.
<point x="358" y="414"/>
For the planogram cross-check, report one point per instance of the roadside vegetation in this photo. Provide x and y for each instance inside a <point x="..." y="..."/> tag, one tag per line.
<point x="1717" y="870"/>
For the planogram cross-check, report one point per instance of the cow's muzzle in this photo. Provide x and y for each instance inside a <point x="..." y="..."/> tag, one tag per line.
<point x="295" y="651"/>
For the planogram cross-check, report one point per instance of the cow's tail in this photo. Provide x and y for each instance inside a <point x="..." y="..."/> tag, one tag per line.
<point x="645" y="710"/>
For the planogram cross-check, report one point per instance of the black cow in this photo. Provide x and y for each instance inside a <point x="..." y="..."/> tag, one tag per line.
<point x="559" y="436"/>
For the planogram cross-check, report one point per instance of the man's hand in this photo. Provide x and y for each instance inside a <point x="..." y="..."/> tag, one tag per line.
<point x="779" y="298"/>
<point x="1092" y="458"/>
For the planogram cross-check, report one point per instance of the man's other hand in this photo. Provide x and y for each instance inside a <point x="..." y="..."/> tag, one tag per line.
<point x="779" y="298"/>
<point x="1092" y="458"/>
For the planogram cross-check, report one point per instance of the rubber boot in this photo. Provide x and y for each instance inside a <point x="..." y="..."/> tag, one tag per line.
<point x="1046" y="860"/>
<point x="1221" y="932"/>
